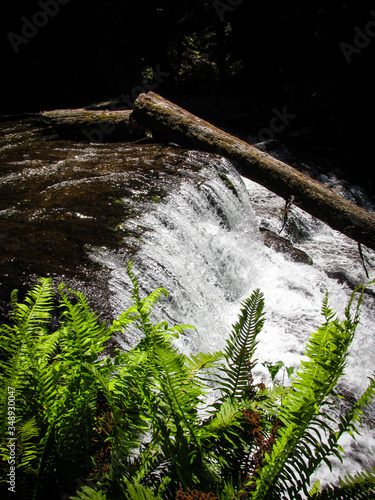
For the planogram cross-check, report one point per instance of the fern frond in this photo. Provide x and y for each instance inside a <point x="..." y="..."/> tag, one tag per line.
<point x="240" y="348"/>
<point x="23" y="344"/>
<point x="34" y="313"/>
<point x="361" y="486"/>
<point x="202" y="361"/>
<point x="179" y="388"/>
<point x="327" y="312"/>
<point x="101" y="380"/>
<point x="83" y="337"/>
<point x="354" y="416"/>
<point x="87" y="493"/>
<point x="315" y="490"/>
<point x="347" y="424"/>
<point x="299" y="447"/>
<point x="28" y="429"/>
<point x="227" y="416"/>
<point x="135" y="283"/>
<point x="136" y="491"/>
<point x="45" y="346"/>
<point x="152" y="299"/>
<point x="28" y="447"/>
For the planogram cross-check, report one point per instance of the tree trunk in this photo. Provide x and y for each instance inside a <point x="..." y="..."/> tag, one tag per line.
<point x="94" y="126"/>
<point x="172" y="123"/>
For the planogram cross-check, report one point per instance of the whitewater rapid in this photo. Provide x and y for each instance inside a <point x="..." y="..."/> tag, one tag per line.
<point x="204" y="246"/>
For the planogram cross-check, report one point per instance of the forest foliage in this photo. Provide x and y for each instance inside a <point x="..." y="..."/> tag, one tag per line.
<point x="143" y="424"/>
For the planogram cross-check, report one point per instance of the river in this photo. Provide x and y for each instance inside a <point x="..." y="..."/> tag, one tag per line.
<point x="190" y="223"/>
<point x="204" y="246"/>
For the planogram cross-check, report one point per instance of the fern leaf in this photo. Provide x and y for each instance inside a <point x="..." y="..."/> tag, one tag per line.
<point x="152" y="299"/>
<point x="226" y="417"/>
<point x="87" y="493"/>
<point x="241" y="345"/>
<point x="28" y="449"/>
<point x="361" y="486"/>
<point x="315" y="490"/>
<point x="83" y="336"/>
<point x="297" y="450"/>
<point x="202" y="361"/>
<point x="19" y="343"/>
<point x="34" y="312"/>
<point x="28" y="429"/>
<point x="136" y="491"/>
<point x="179" y="388"/>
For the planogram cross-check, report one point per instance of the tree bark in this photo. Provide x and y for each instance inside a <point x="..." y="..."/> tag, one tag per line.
<point x="172" y="123"/>
<point x="94" y="126"/>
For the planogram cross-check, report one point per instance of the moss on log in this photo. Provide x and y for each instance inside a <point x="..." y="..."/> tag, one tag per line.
<point x="94" y="125"/>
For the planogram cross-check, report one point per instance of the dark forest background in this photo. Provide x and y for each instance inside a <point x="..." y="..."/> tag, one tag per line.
<point x="232" y="62"/>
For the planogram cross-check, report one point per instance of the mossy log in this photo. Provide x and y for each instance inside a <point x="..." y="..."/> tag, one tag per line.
<point x="173" y="123"/>
<point x="94" y="125"/>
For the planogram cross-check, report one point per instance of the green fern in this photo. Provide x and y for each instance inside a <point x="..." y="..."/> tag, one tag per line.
<point x="87" y="493"/>
<point x="316" y="490"/>
<point x="32" y="315"/>
<point x="22" y="345"/>
<point x="83" y="338"/>
<point x="139" y="425"/>
<point x="136" y="491"/>
<point x="361" y="486"/>
<point x="180" y="388"/>
<point x="235" y="377"/>
<point x="300" y="448"/>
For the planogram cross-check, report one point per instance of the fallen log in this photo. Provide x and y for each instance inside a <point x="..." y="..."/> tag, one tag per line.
<point x="173" y="123"/>
<point x="94" y="125"/>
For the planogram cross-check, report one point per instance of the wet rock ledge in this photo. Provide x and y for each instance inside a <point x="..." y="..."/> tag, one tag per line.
<point x="59" y="199"/>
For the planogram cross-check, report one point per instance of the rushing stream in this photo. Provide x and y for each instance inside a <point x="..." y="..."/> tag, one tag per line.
<point x="190" y="223"/>
<point x="204" y="246"/>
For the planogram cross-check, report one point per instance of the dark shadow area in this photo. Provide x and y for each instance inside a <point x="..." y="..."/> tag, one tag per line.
<point x="234" y="63"/>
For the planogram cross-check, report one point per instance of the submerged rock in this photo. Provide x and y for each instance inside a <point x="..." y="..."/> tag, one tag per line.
<point x="284" y="246"/>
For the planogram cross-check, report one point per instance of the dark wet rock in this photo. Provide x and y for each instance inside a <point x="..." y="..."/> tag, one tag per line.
<point x="345" y="400"/>
<point x="347" y="279"/>
<point x="60" y="200"/>
<point x="346" y="395"/>
<point x="343" y="278"/>
<point x="284" y="246"/>
<point x="94" y="125"/>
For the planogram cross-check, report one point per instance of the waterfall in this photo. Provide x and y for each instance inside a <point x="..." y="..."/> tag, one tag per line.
<point x="204" y="246"/>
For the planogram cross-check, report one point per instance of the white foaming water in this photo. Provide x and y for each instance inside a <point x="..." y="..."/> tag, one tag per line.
<point x="205" y="248"/>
